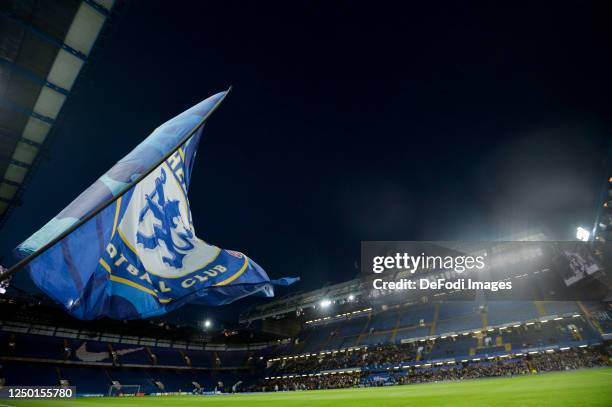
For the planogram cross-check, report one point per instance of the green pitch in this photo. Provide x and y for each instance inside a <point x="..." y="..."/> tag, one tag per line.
<point x="577" y="388"/>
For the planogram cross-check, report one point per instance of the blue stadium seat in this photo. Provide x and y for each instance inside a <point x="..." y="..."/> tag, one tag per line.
<point x="88" y="380"/>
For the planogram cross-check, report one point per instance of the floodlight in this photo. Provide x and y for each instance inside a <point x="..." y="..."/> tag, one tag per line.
<point x="582" y="234"/>
<point x="325" y="303"/>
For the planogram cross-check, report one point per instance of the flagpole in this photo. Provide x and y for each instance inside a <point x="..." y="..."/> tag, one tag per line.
<point x="6" y="273"/>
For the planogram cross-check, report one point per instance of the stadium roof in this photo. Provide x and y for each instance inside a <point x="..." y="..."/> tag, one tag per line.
<point x="362" y="284"/>
<point x="43" y="47"/>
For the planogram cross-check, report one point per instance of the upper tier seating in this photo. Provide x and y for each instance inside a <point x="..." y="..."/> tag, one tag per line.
<point x="503" y="312"/>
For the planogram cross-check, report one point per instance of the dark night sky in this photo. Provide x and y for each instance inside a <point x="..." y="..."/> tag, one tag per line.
<point x="350" y="122"/>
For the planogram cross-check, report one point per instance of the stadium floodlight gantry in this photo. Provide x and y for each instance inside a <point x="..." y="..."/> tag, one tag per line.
<point x="43" y="48"/>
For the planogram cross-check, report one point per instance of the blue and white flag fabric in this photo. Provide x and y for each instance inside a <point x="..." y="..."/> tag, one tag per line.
<point x="140" y="257"/>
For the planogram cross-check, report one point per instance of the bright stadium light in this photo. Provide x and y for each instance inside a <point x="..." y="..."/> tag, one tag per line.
<point x="351" y="297"/>
<point x="325" y="303"/>
<point x="582" y="234"/>
<point x="207" y="323"/>
<point x="5" y="283"/>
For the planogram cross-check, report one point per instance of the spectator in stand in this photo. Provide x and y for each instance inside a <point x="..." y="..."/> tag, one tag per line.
<point x="377" y="356"/>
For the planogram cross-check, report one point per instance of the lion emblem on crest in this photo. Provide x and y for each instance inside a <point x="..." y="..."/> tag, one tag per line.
<point x="177" y="240"/>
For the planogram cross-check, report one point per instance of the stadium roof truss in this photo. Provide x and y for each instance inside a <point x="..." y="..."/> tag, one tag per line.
<point x="44" y="45"/>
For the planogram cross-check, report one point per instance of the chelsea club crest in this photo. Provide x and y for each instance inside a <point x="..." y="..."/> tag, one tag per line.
<point x="157" y="225"/>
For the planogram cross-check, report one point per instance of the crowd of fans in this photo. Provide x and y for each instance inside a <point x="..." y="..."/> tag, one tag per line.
<point x="527" y="364"/>
<point x="381" y="355"/>
<point x="337" y="381"/>
<point x="569" y="359"/>
<point x="394" y="354"/>
<point x="372" y="356"/>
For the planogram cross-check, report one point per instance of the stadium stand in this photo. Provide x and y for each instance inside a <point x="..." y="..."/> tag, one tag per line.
<point x="476" y="368"/>
<point x="404" y="343"/>
<point x="88" y="380"/>
<point x="601" y="315"/>
<point x="501" y="312"/>
<point x="24" y="375"/>
<point x="168" y="357"/>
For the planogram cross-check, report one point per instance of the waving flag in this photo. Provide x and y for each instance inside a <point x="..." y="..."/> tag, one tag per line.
<point x="140" y="256"/>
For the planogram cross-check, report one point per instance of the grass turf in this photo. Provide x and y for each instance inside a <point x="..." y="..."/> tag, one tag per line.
<point x="575" y="388"/>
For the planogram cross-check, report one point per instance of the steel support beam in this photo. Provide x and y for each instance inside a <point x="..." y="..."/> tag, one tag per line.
<point x="32" y="76"/>
<point x="46" y="37"/>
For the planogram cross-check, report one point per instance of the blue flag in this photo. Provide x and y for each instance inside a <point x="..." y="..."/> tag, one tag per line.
<point x="140" y="257"/>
